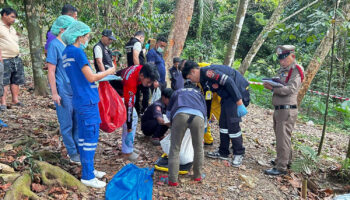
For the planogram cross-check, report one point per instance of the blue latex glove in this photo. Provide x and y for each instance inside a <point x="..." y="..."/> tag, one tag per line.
<point x="2" y="124"/>
<point x="241" y="110"/>
<point x="129" y="140"/>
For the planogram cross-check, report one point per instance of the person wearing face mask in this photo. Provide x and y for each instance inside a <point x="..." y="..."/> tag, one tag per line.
<point x="155" y="56"/>
<point x="284" y="100"/>
<point x="135" y="56"/>
<point x="61" y="89"/>
<point x="85" y="98"/>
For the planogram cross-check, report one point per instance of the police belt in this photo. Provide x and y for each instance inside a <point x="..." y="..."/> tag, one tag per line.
<point x="286" y="107"/>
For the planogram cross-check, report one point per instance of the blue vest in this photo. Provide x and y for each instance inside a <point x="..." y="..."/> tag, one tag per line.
<point x="187" y="98"/>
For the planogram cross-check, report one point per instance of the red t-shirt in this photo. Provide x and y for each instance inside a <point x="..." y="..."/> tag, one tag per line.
<point x="130" y="82"/>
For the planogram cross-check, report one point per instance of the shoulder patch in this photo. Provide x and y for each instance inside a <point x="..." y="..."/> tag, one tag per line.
<point x="158" y="108"/>
<point x="210" y="74"/>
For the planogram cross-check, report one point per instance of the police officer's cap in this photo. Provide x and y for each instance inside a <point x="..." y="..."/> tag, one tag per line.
<point x="283" y="51"/>
<point x="108" y="33"/>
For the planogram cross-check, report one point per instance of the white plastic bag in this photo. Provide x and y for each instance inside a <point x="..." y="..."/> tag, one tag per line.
<point x="156" y="95"/>
<point x="186" y="150"/>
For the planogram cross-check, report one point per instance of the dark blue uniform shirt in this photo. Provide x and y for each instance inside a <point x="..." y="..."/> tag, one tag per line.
<point x="156" y="58"/>
<point x="187" y="98"/>
<point x="231" y="83"/>
<point x="177" y="81"/>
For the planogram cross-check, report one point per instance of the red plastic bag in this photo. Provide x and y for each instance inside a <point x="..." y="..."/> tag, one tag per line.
<point x="112" y="108"/>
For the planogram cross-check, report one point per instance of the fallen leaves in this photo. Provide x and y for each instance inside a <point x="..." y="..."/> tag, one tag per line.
<point x="5" y="187"/>
<point x="38" y="187"/>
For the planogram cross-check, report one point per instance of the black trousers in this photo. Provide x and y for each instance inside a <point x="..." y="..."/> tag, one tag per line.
<point x="230" y="129"/>
<point x="145" y="99"/>
<point x="152" y="128"/>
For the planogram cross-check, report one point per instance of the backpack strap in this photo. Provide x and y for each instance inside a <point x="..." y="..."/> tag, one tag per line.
<point x="300" y="72"/>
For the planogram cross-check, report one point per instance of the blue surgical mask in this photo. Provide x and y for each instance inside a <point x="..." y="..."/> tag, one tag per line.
<point x="147" y="46"/>
<point x="83" y="46"/>
<point x="160" y="50"/>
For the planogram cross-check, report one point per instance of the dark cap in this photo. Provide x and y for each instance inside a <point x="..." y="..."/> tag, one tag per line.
<point x="283" y="51"/>
<point x="108" y="33"/>
<point x="176" y="59"/>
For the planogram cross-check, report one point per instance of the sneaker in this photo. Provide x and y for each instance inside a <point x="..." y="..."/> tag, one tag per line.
<point x="237" y="160"/>
<point x="95" y="183"/>
<point x="216" y="154"/>
<point x="99" y="174"/>
<point x="75" y="159"/>
<point x="156" y="141"/>
<point x="200" y="178"/>
<point x="3" y="108"/>
<point x="133" y="157"/>
<point x="136" y="151"/>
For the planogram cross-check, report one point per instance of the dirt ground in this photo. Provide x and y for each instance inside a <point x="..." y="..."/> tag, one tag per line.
<point x="38" y="120"/>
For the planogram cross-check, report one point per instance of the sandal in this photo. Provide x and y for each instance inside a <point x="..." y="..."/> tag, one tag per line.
<point x="19" y="104"/>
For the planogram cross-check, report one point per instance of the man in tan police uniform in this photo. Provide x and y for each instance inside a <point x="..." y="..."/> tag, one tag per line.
<point x="9" y="51"/>
<point x="284" y="100"/>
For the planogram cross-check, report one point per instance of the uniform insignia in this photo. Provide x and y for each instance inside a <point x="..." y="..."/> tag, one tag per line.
<point x="158" y="108"/>
<point x="217" y="76"/>
<point x="210" y="74"/>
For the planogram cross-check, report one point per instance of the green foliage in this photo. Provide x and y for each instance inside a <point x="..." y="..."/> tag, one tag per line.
<point x="344" y="173"/>
<point x="344" y="109"/>
<point x="307" y="162"/>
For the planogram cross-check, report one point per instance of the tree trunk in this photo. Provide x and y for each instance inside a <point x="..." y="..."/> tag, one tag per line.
<point x="150" y="7"/>
<point x="236" y="32"/>
<point x="262" y="36"/>
<point x="200" y="19"/>
<point x="32" y="10"/>
<point x="348" y="153"/>
<point x="138" y="7"/>
<point x="319" y="56"/>
<point x="178" y="32"/>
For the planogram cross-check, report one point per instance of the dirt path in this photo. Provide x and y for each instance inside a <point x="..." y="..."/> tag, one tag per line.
<point x="38" y="120"/>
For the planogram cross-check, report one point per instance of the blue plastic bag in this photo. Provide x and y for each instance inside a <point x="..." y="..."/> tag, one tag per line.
<point x="131" y="182"/>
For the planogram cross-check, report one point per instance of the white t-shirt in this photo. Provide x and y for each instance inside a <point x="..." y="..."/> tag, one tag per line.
<point x="98" y="52"/>
<point x="137" y="46"/>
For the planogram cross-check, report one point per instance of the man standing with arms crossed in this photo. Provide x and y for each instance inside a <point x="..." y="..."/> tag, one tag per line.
<point x="284" y="100"/>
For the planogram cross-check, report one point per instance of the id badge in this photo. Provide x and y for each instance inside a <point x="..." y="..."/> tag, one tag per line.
<point x="208" y="95"/>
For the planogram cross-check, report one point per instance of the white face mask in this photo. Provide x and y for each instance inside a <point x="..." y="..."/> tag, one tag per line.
<point x="160" y="49"/>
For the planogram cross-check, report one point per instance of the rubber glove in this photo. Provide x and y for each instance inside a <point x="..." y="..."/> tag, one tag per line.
<point x="241" y="110"/>
<point x="2" y="124"/>
<point x="129" y="140"/>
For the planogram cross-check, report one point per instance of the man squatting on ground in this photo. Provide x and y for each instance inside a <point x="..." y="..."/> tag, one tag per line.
<point x="152" y="121"/>
<point x="232" y="87"/>
<point x="186" y="110"/>
<point x="285" y="101"/>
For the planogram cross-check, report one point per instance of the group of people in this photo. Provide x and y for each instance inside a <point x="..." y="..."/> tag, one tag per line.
<point x="184" y="105"/>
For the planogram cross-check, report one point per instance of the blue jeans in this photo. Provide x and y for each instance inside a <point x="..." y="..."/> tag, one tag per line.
<point x="89" y="124"/>
<point x="68" y="121"/>
<point x="128" y="142"/>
